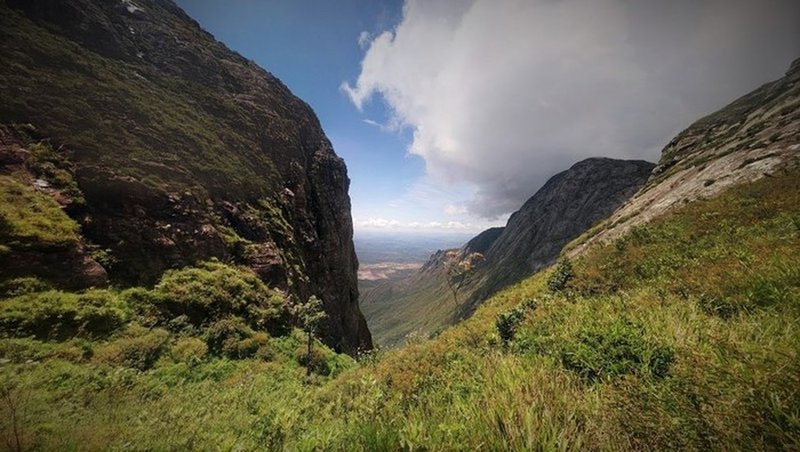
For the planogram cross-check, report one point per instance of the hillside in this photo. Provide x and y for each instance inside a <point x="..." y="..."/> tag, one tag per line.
<point x="681" y="335"/>
<point x="566" y="206"/>
<point x="165" y="149"/>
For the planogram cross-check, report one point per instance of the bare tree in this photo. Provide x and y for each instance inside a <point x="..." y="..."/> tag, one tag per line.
<point x="459" y="268"/>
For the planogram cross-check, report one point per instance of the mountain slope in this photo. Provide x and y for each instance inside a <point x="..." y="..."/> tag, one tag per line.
<point x="753" y="137"/>
<point x="178" y="150"/>
<point x="566" y="206"/>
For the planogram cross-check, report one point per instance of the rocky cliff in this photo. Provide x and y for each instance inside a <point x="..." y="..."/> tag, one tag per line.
<point x="757" y="135"/>
<point x="166" y="148"/>
<point x="566" y="206"/>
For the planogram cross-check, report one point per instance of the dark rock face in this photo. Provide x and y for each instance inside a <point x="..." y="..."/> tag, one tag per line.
<point x="183" y="149"/>
<point x="565" y="207"/>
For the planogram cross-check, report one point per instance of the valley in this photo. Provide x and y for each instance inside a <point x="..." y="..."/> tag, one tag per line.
<point x="187" y="263"/>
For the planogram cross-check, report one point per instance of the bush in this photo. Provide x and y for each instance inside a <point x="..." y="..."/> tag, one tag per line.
<point x="189" y="350"/>
<point x="223" y="336"/>
<point x="59" y="315"/>
<point x="213" y="291"/>
<point x="136" y="347"/>
<point x="600" y="353"/>
<point x="318" y="361"/>
<point x="256" y="346"/>
<point x="507" y="324"/>
<point x="560" y="278"/>
<point x="22" y="286"/>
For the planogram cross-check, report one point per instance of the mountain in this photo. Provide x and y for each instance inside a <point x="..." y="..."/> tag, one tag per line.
<point x="566" y="206"/>
<point x="755" y="136"/>
<point x="164" y="148"/>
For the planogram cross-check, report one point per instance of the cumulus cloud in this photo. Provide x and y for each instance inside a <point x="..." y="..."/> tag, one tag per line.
<point x="503" y="94"/>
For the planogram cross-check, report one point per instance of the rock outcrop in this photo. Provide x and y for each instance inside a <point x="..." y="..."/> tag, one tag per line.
<point x="182" y="150"/>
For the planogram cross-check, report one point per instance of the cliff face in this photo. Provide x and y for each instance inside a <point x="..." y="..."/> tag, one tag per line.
<point x="755" y="136"/>
<point x="179" y="149"/>
<point x="566" y="206"/>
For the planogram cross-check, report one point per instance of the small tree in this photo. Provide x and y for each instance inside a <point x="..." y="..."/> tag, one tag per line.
<point x="310" y="314"/>
<point x="458" y="271"/>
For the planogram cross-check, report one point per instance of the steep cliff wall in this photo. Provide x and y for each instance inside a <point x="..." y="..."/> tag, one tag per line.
<point x="181" y="150"/>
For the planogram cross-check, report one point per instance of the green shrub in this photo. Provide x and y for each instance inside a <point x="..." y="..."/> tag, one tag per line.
<point x="600" y="353"/>
<point x="507" y="323"/>
<point x="136" y="347"/>
<point x="256" y="346"/>
<point x="213" y="291"/>
<point x="560" y="278"/>
<point x="223" y="336"/>
<point x="22" y="286"/>
<point x="189" y="350"/>
<point x="317" y="361"/>
<point x="59" y="315"/>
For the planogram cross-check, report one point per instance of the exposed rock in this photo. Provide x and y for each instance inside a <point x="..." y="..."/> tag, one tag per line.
<point x="183" y="149"/>
<point x="755" y="136"/>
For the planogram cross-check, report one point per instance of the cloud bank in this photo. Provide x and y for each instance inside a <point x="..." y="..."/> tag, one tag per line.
<point x="501" y="94"/>
<point x="384" y="224"/>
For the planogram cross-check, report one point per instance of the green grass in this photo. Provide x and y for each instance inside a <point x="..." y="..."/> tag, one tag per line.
<point x="626" y="354"/>
<point x="31" y="219"/>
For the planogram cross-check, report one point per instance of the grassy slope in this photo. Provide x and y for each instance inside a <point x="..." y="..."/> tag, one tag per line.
<point x="427" y="305"/>
<point x="685" y="334"/>
<point x="29" y="218"/>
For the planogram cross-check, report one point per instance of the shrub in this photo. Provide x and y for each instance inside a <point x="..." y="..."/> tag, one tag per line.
<point x="136" y="347"/>
<point x="560" y="278"/>
<point x="213" y="291"/>
<point x="507" y="323"/>
<point x="317" y="361"/>
<point x="189" y="350"/>
<point x="256" y="346"/>
<point x="22" y="286"/>
<point x="223" y="336"/>
<point x="618" y="349"/>
<point x="59" y="315"/>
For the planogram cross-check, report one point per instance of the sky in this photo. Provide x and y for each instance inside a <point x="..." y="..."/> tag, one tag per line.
<point x="451" y="113"/>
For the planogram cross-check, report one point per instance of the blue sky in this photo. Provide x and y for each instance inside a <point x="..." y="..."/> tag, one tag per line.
<point x="451" y="113"/>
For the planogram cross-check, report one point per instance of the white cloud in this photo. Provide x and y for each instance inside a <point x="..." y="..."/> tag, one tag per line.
<point x="452" y="209"/>
<point x="501" y="94"/>
<point x="363" y="39"/>
<point x="376" y="223"/>
<point x="383" y="224"/>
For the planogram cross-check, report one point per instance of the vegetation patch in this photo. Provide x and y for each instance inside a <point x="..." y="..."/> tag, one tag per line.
<point x="31" y="219"/>
<point x="59" y="315"/>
